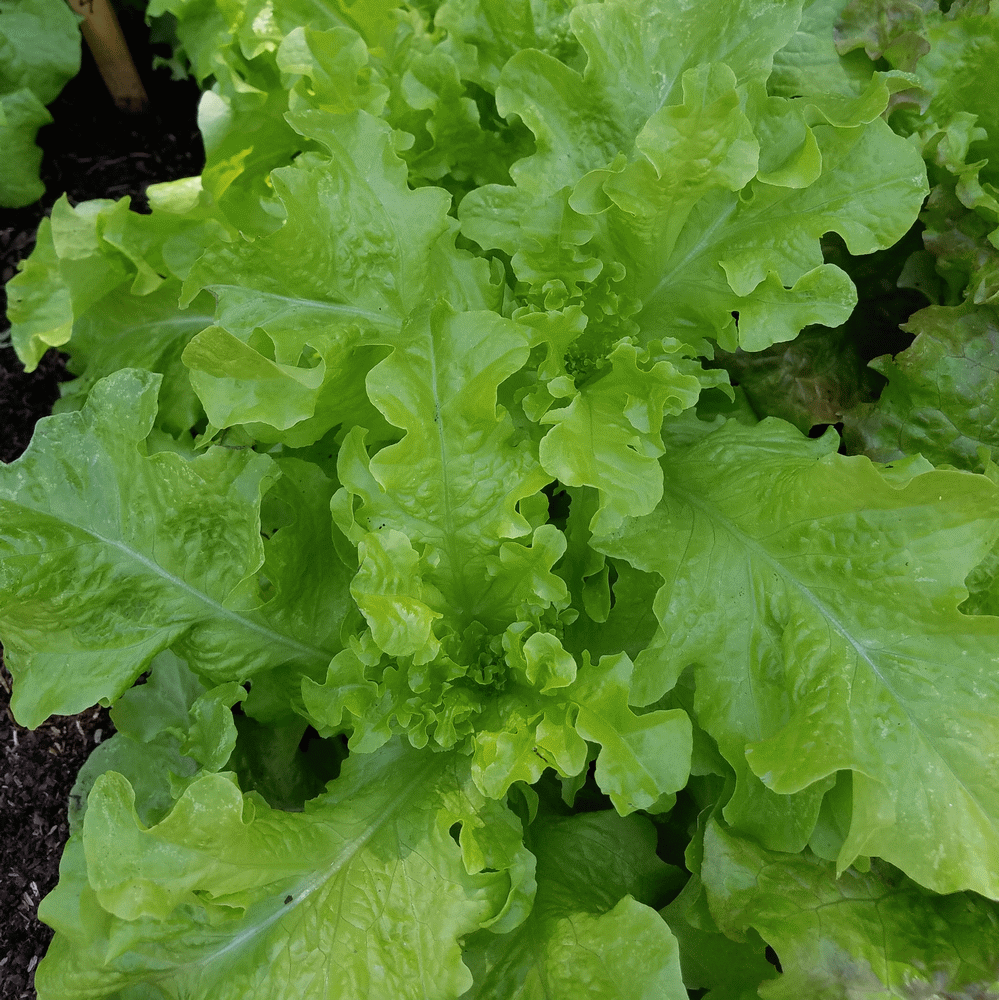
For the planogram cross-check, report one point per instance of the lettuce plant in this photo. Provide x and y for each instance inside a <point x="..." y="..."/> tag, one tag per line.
<point x="492" y="643"/>
<point x="39" y="54"/>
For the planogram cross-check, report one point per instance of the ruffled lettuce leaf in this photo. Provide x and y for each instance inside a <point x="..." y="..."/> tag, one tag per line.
<point x="858" y="934"/>
<point x="592" y="930"/>
<point x="165" y="548"/>
<point x="652" y="163"/>
<point x="804" y="668"/>
<point x="363" y="893"/>
<point x="104" y="284"/>
<point x="300" y="310"/>
<point x="942" y="397"/>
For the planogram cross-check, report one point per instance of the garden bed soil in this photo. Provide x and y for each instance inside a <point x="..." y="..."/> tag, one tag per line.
<point x="91" y="151"/>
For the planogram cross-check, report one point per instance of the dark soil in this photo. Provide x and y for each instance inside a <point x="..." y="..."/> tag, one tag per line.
<point x="91" y="151"/>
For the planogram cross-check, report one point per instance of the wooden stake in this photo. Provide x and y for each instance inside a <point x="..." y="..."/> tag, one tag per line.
<point x="103" y="34"/>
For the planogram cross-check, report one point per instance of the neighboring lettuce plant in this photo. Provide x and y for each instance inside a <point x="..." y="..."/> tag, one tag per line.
<point x="492" y="645"/>
<point x="39" y="53"/>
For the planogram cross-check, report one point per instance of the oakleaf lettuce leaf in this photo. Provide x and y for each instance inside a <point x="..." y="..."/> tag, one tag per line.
<point x="363" y="893"/>
<point x="802" y="670"/>
<point x="182" y="577"/>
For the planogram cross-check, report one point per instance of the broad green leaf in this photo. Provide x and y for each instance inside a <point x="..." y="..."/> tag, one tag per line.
<point x="21" y="116"/>
<point x="758" y="254"/>
<point x="305" y="579"/>
<point x="39" y="304"/>
<point x="40" y="47"/>
<point x="454" y="143"/>
<point x="634" y="68"/>
<point x="628" y="99"/>
<point x="942" y="397"/>
<point x="174" y="703"/>
<point x="109" y="555"/>
<point x="39" y="53"/>
<point x="591" y="933"/>
<point x="453" y="482"/>
<point x="877" y="934"/>
<point x="817" y="597"/>
<point x="362" y="894"/>
<point x="689" y="148"/>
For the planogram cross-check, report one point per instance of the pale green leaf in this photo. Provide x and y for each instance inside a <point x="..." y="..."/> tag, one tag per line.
<point x="362" y="894"/>
<point x="592" y="933"/>
<point x="453" y="482"/>
<point x="109" y="556"/>
<point x="818" y="600"/>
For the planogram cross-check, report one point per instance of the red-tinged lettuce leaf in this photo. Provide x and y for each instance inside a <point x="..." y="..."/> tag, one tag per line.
<point x="895" y="31"/>
<point x="942" y="397"/>
<point x="810" y="64"/>
<point x="813" y="380"/>
<point x="817" y="597"/>
<point x="877" y="934"/>
<point x="110" y="555"/>
<point x="963" y="49"/>
<point x="364" y="893"/>
<point x="961" y="244"/>
<point x="592" y="931"/>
